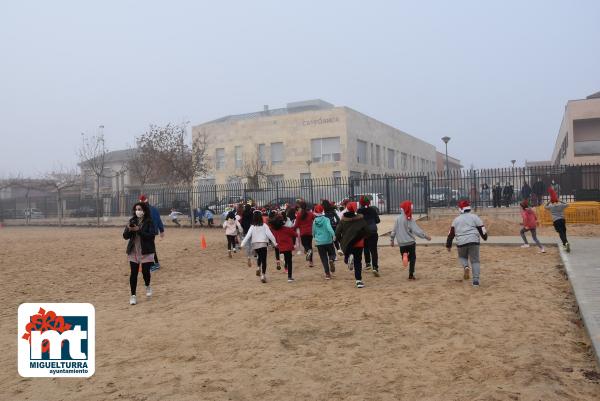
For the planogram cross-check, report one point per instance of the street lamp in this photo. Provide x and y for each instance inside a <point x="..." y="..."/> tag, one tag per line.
<point x="446" y="139"/>
<point x="513" y="162"/>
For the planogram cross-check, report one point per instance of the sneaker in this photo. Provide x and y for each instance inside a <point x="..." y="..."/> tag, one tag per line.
<point x="263" y="279"/>
<point x="360" y="284"/>
<point x="328" y="276"/>
<point x="476" y="283"/>
<point x="148" y="291"/>
<point x="308" y="254"/>
<point x="340" y="252"/>
<point x="466" y="274"/>
<point x="286" y="270"/>
<point x="133" y="300"/>
<point x="235" y="250"/>
<point x="249" y="262"/>
<point x="230" y="255"/>
<point x="367" y="266"/>
<point x="411" y="277"/>
<point x="290" y="280"/>
<point x="405" y="259"/>
<point x="376" y="272"/>
<point x="257" y="272"/>
<point x="568" y="247"/>
<point x="278" y="265"/>
<point x="332" y="266"/>
<point x="525" y="246"/>
<point x="351" y="262"/>
<point x="542" y="250"/>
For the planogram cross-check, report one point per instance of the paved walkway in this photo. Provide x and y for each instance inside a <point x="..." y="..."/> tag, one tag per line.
<point x="494" y="240"/>
<point x="583" y="268"/>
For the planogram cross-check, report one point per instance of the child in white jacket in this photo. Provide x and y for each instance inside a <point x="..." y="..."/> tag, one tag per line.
<point x="259" y="236"/>
<point x="232" y="228"/>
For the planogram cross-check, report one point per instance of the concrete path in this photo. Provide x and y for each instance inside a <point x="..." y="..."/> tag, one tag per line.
<point x="492" y="240"/>
<point x="583" y="268"/>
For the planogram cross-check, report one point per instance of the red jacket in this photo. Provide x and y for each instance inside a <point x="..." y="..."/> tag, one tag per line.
<point x="286" y="238"/>
<point x="305" y="225"/>
<point x="529" y="218"/>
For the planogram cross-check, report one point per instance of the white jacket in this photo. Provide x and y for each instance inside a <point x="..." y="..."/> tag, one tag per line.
<point x="259" y="234"/>
<point x="232" y="227"/>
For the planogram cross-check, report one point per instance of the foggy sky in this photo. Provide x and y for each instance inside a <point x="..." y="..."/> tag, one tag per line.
<point x="494" y="76"/>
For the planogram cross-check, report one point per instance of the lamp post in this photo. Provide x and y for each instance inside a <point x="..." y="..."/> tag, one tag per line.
<point x="446" y="139"/>
<point x="308" y="163"/>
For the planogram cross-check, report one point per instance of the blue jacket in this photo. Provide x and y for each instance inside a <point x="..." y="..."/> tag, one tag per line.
<point x="158" y="224"/>
<point x="322" y="231"/>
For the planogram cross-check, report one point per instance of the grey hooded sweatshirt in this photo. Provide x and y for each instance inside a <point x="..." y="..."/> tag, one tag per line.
<point x="405" y="230"/>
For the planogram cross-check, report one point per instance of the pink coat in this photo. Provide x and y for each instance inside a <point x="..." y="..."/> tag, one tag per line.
<point x="529" y="218"/>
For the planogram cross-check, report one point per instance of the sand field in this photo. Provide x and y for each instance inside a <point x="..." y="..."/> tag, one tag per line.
<point x="212" y="331"/>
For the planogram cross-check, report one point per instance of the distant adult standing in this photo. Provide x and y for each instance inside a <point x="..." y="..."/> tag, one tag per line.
<point x="485" y="193"/>
<point x="538" y="190"/>
<point x="526" y="192"/>
<point x="507" y="194"/>
<point x="497" y="195"/>
<point x="159" y="227"/>
<point x="140" y="249"/>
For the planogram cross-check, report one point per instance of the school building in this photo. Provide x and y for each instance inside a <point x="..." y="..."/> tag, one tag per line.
<point x="578" y="140"/>
<point x="312" y="139"/>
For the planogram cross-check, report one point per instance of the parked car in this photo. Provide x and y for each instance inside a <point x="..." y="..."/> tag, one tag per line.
<point x="377" y="201"/>
<point x="218" y="206"/>
<point x="33" y="213"/>
<point x="85" y="211"/>
<point x="180" y="205"/>
<point x="280" y="203"/>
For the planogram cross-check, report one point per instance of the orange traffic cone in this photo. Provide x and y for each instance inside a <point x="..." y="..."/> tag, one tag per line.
<point x="202" y="242"/>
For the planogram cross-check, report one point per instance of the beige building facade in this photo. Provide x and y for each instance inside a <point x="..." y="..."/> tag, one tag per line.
<point x="312" y="139"/>
<point x="578" y="140"/>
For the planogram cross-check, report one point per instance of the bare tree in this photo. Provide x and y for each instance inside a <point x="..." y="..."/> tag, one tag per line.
<point x="175" y="159"/>
<point x="144" y="160"/>
<point x="29" y="185"/>
<point x="93" y="158"/>
<point x="255" y="170"/>
<point x="58" y="181"/>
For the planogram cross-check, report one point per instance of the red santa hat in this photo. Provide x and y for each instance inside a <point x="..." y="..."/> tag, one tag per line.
<point x="351" y="207"/>
<point x="407" y="209"/>
<point x="319" y="210"/>
<point x="464" y="206"/>
<point x="553" y="195"/>
<point x="364" y="200"/>
<point x="143" y="198"/>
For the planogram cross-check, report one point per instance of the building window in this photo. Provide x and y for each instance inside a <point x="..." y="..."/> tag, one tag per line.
<point x="372" y="155"/>
<point x="403" y="161"/>
<point x="220" y="158"/>
<point x="361" y="152"/>
<point x="391" y="159"/>
<point x="274" y="179"/>
<point x="377" y="155"/>
<point x="277" y="153"/>
<point x="337" y="178"/>
<point x="325" y="150"/>
<point x="262" y="157"/>
<point x="239" y="159"/>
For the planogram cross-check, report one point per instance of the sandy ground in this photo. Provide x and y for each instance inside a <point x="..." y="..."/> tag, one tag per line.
<point x="213" y="332"/>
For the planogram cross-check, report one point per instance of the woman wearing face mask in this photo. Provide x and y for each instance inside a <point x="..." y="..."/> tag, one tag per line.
<point x="140" y="248"/>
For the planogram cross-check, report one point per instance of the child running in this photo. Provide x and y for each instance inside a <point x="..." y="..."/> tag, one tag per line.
<point x="557" y="210"/>
<point x="467" y="228"/>
<point x="324" y="236"/>
<point x="334" y="219"/>
<point x="352" y="232"/>
<point x="259" y="236"/>
<point x="372" y="218"/>
<point x="404" y="232"/>
<point x="304" y="221"/>
<point x="285" y="237"/>
<point x="174" y="215"/>
<point x="529" y="224"/>
<point x="232" y="228"/>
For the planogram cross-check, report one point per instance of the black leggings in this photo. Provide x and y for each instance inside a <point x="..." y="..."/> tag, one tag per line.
<point x="371" y="254"/>
<point x="412" y="256"/>
<point x="230" y="242"/>
<point x="306" y="241"/>
<point x="326" y="253"/>
<point x="277" y="254"/>
<point x="561" y="229"/>
<point x="287" y="257"/>
<point x="134" y="274"/>
<point x="261" y="254"/>
<point x="155" y="257"/>
<point x="357" y="252"/>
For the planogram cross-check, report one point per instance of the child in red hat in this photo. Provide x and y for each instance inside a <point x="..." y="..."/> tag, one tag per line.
<point x="467" y="228"/>
<point x="352" y="232"/>
<point x="404" y="232"/>
<point x="557" y="210"/>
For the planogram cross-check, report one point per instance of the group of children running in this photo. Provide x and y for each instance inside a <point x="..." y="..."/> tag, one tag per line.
<point x="349" y="231"/>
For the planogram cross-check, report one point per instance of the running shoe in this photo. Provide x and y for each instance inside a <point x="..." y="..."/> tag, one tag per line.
<point x="476" y="283"/>
<point x="332" y="266"/>
<point x="351" y="262"/>
<point x="155" y="267"/>
<point x="327" y="276"/>
<point x="525" y="246"/>
<point x="290" y="280"/>
<point x="133" y="300"/>
<point x="340" y="252"/>
<point x="360" y="284"/>
<point x="308" y="254"/>
<point x="466" y="274"/>
<point x="368" y="266"/>
<point x="263" y="279"/>
<point x="568" y="247"/>
<point x="542" y="250"/>
<point x="376" y="272"/>
<point x="148" y="291"/>
<point x="411" y="277"/>
<point x="286" y="270"/>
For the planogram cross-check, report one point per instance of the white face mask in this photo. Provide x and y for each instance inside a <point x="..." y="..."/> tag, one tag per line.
<point x="139" y="213"/>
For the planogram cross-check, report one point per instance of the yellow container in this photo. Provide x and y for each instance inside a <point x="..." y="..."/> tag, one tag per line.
<point x="576" y="213"/>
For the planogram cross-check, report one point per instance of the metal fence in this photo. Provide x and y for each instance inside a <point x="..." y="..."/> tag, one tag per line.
<point x="484" y="188"/>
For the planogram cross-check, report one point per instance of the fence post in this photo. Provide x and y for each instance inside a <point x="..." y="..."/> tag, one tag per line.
<point x="277" y="190"/>
<point x="388" y="202"/>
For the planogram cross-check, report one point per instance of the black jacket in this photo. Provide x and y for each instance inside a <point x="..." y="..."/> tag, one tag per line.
<point x="333" y="218"/>
<point x="146" y="234"/>
<point x="352" y="228"/>
<point x="371" y="218"/>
